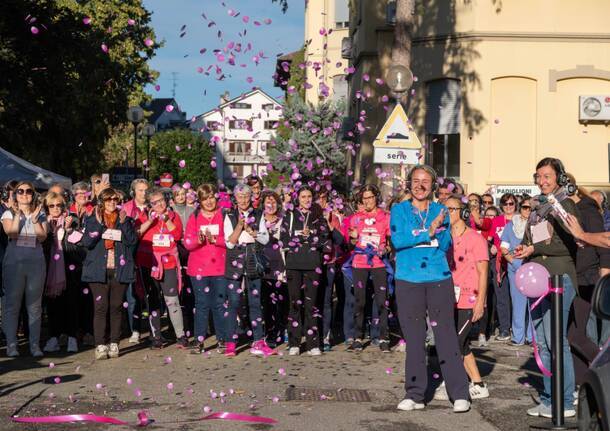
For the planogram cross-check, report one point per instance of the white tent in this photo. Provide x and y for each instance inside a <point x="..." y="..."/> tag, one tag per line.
<point x="15" y="168"/>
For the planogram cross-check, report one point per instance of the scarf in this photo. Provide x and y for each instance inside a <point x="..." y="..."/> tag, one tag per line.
<point x="110" y="222"/>
<point x="519" y="226"/>
<point x="56" y="273"/>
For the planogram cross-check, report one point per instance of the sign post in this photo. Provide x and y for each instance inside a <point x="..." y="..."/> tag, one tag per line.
<point x="396" y="142"/>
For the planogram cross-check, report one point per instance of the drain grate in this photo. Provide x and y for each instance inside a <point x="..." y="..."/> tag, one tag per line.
<point x="312" y="394"/>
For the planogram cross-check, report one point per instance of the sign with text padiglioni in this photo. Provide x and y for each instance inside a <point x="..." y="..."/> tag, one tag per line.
<point x="397" y="142"/>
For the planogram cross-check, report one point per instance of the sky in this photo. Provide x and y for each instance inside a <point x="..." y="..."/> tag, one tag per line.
<point x="197" y="93"/>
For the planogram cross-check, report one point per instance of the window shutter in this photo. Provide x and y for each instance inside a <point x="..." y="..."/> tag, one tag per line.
<point x="443" y="104"/>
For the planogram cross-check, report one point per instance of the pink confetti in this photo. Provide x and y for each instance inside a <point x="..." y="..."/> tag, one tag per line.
<point x="281" y="372"/>
<point x="86" y="20"/>
<point x="129" y="381"/>
<point x="131" y="21"/>
<point x="99" y="386"/>
<point x="149" y="42"/>
<point x="207" y="409"/>
<point x="169" y="108"/>
<point x="388" y="371"/>
<point x="71" y="267"/>
<point x="57" y="380"/>
<point x="170" y="386"/>
<point x="34" y="30"/>
<point x="275" y="400"/>
<point x="125" y="304"/>
<point x="51" y="365"/>
<point x="157" y="87"/>
<point x="104" y="47"/>
<point x="435" y="376"/>
<point x="433" y="323"/>
<point x="168" y="360"/>
<point x="182" y="163"/>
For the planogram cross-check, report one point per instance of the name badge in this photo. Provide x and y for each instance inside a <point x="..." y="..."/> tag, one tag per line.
<point x="214" y="229"/>
<point x="75" y="237"/>
<point x="432" y="243"/>
<point x="26" y="241"/>
<point x="112" y="234"/>
<point x="160" y="240"/>
<point x="540" y="232"/>
<point x="245" y="238"/>
<point x="372" y="239"/>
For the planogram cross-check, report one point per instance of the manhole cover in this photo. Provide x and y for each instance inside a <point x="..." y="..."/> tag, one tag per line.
<point x="344" y="395"/>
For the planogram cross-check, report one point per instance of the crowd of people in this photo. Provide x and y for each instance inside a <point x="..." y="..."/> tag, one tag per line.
<point x="305" y="267"/>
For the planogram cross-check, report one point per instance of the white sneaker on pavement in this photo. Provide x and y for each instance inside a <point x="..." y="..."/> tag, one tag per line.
<point x="477" y="392"/>
<point x="314" y="352"/>
<point x="408" y="404"/>
<point x="101" y="352"/>
<point x="294" y="351"/>
<point x="440" y="394"/>
<point x="482" y="342"/>
<point x="135" y="337"/>
<point x="52" y="345"/>
<point x="72" y="345"/>
<point x="113" y="350"/>
<point x="461" y="406"/>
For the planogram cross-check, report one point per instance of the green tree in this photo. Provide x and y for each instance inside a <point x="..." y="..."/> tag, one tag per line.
<point x="171" y="147"/>
<point x="283" y="4"/>
<point x="69" y="70"/>
<point x="297" y="75"/>
<point x="306" y="146"/>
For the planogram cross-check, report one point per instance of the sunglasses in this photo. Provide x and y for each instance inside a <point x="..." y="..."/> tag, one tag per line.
<point x="51" y="206"/>
<point x="488" y="202"/>
<point x="526" y="207"/>
<point x="29" y="192"/>
<point x="453" y="209"/>
<point x="508" y="204"/>
<point x="113" y="199"/>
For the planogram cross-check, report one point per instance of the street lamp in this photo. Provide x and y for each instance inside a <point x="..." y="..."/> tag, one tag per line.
<point x="399" y="78"/>
<point x="135" y="115"/>
<point x="148" y="130"/>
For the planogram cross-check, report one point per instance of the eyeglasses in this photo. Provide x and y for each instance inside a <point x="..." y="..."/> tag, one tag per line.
<point x="29" y="192"/>
<point x="453" y="209"/>
<point x="508" y="204"/>
<point x="51" y="206"/>
<point x="526" y="207"/>
<point x="157" y="202"/>
<point x="488" y="202"/>
<point x="113" y="199"/>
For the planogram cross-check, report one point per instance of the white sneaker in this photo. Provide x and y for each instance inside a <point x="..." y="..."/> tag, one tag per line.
<point x="36" y="352"/>
<point x="408" y="404"/>
<point x="113" y="351"/>
<point x="72" y="345"/>
<point x="12" y="351"/>
<point x="440" y="394"/>
<point x="314" y="352"/>
<point x="461" y="406"/>
<point x="101" y="352"/>
<point x="294" y="351"/>
<point x="477" y="391"/>
<point x="135" y="337"/>
<point x="52" y="345"/>
<point x="482" y="341"/>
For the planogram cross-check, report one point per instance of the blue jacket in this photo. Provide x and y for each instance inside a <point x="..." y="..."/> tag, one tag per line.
<point x="94" y="266"/>
<point x="419" y="264"/>
<point x="508" y="235"/>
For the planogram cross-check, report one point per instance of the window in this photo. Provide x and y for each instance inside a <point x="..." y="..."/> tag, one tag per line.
<point x="240" y="124"/>
<point x="443" y="105"/>
<point x="341" y="14"/>
<point x="268" y="107"/>
<point x="240" y="147"/>
<point x="241" y="105"/>
<point x="212" y="125"/>
<point x="238" y="170"/>
<point x="339" y="87"/>
<point x="271" y="125"/>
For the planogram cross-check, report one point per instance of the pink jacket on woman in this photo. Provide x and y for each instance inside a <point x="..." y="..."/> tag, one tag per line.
<point x="205" y="260"/>
<point x="372" y="229"/>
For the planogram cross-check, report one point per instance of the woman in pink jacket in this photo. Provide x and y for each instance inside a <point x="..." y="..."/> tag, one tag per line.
<point x="369" y="230"/>
<point x="204" y="238"/>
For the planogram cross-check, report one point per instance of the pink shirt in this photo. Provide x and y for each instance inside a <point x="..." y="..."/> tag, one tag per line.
<point x="373" y="228"/>
<point x="467" y="250"/>
<point x="205" y="260"/>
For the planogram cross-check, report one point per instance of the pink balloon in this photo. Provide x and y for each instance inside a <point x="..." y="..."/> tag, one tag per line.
<point x="532" y="280"/>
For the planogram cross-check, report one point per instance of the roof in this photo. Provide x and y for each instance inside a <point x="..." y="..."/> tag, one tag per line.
<point x="238" y="98"/>
<point x="157" y="107"/>
<point x="15" y="168"/>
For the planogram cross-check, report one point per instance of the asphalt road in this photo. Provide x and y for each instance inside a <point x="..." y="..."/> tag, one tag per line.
<point x="174" y="387"/>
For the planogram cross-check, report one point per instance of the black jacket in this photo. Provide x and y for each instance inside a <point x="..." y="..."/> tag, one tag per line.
<point x="94" y="267"/>
<point x="304" y="252"/>
<point x="590" y="259"/>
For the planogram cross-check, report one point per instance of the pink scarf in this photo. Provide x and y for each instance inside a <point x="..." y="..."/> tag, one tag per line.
<point x="56" y="273"/>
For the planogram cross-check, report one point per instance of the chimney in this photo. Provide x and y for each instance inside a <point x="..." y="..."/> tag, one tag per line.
<point x="224" y="98"/>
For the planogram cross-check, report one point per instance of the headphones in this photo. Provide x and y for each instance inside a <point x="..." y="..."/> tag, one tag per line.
<point x="562" y="177"/>
<point x="134" y="183"/>
<point x="6" y="194"/>
<point x="465" y="212"/>
<point x="425" y="168"/>
<point x="370" y="188"/>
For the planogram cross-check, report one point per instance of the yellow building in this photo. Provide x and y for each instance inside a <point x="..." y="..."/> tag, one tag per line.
<point x="326" y="24"/>
<point x="499" y="86"/>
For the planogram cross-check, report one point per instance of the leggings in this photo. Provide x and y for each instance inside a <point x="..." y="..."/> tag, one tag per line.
<point x="156" y="290"/>
<point x="379" y="279"/>
<point x="107" y="300"/>
<point x="303" y="291"/>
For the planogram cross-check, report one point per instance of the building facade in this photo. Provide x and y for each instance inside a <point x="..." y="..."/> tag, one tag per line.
<point x="499" y="85"/>
<point x="165" y="114"/>
<point x="242" y="129"/>
<point x="326" y="25"/>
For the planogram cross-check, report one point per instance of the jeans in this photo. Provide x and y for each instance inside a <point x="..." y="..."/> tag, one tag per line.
<point x="519" y="305"/>
<point x="541" y="318"/>
<point x="133" y="309"/>
<point x="233" y="293"/>
<point x="209" y="296"/>
<point x="348" y="308"/>
<point x="502" y="291"/>
<point x="23" y="278"/>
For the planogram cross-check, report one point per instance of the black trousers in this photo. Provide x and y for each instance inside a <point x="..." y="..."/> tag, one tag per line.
<point x="275" y="309"/>
<point x="107" y="302"/>
<point x="438" y="299"/>
<point x="582" y="347"/>
<point x="303" y="292"/>
<point x="63" y="313"/>
<point x="380" y="293"/>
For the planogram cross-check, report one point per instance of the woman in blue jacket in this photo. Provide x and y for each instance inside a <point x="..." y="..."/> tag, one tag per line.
<point x="421" y="235"/>
<point x="109" y="238"/>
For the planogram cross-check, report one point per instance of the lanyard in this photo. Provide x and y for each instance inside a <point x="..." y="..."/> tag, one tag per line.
<point x="423" y="220"/>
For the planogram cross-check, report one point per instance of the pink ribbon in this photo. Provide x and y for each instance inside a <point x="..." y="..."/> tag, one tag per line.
<point x="143" y="419"/>
<point x="541" y="366"/>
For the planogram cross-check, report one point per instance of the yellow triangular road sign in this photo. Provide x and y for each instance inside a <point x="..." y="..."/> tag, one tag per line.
<point x="396" y="132"/>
